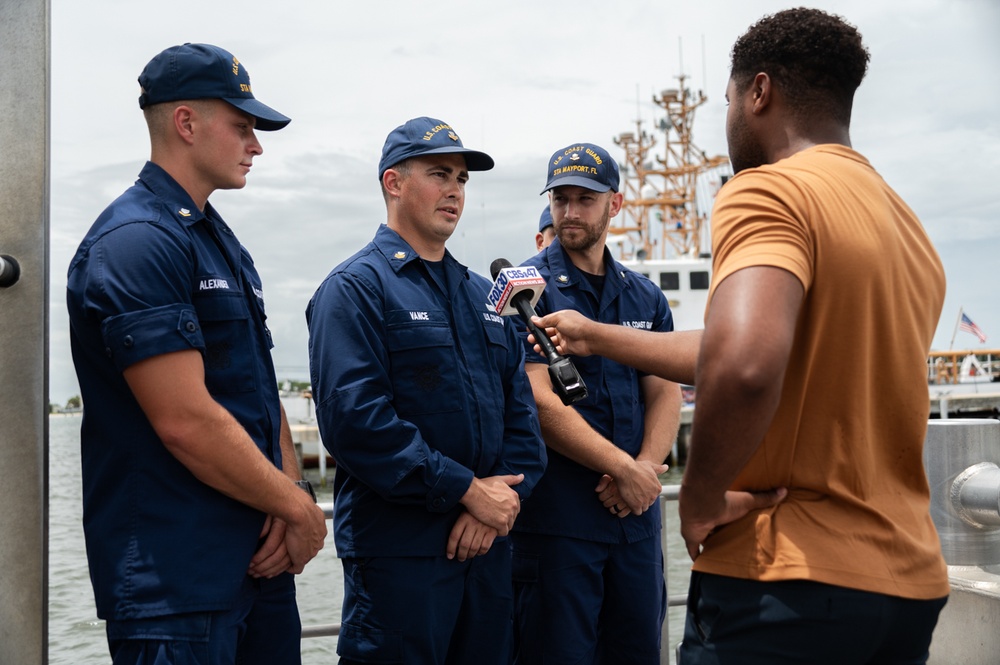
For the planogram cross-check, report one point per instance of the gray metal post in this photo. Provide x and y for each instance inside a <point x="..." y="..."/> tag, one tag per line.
<point x="961" y="457"/>
<point x="24" y="235"/>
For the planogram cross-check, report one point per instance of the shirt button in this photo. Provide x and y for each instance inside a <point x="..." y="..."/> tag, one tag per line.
<point x="190" y="326"/>
<point x="128" y="341"/>
<point x="107" y="351"/>
<point x="437" y="503"/>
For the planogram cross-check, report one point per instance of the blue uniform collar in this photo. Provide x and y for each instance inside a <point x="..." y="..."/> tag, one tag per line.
<point x="180" y="205"/>
<point x="564" y="274"/>
<point x="398" y="254"/>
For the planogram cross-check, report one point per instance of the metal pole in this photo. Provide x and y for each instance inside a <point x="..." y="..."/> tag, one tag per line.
<point x="24" y="236"/>
<point x="321" y="452"/>
<point x="954" y="332"/>
<point x="665" y="628"/>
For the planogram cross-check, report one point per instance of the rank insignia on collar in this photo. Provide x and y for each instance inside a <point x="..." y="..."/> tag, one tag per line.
<point x="399" y="255"/>
<point x="184" y="212"/>
<point x="563" y="278"/>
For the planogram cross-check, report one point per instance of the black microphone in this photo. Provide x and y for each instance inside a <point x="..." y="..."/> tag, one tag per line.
<point x="517" y="290"/>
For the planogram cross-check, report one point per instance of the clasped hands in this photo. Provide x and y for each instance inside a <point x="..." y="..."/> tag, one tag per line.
<point x="490" y="509"/>
<point x="633" y="492"/>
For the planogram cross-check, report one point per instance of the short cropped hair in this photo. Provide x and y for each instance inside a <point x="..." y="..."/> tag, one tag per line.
<point x="403" y="168"/>
<point x="159" y="116"/>
<point x="816" y="59"/>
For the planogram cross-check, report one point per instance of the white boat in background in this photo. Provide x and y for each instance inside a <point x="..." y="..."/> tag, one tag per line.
<point x="684" y="281"/>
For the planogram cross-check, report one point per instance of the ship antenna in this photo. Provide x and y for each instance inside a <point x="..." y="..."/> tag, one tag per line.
<point x="638" y="108"/>
<point x="704" y="66"/>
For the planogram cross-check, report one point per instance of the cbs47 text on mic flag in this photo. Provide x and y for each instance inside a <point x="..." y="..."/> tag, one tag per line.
<point x="511" y="280"/>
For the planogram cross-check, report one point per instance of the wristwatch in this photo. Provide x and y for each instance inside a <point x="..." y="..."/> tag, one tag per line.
<point x="306" y="487"/>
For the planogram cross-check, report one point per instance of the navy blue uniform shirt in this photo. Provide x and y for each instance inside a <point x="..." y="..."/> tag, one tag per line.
<point x="152" y="276"/>
<point x="564" y="503"/>
<point x="418" y="388"/>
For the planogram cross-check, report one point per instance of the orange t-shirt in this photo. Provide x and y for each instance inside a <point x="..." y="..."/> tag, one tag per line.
<point x="848" y="434"/>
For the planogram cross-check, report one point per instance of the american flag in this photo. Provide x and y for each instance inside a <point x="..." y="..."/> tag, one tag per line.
<point x="968" y="326"/>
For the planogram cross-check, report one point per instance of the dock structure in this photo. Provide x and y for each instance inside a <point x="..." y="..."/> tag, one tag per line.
<point x="964" y="383"/>
<point x="985" y="404"/>
<point x="309" y="450"/>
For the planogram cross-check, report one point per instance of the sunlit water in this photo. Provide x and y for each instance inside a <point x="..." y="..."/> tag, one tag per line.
<point x="76" y="635"/>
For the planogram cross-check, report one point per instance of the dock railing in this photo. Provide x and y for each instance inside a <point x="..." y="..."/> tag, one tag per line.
<point x="667" y="493"/>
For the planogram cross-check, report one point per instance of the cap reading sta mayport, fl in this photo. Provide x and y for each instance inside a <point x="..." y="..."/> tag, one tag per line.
<point x="584" y="165"/>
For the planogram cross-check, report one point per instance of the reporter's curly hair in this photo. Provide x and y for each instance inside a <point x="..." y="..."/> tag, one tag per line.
<point x="816" y="59"/>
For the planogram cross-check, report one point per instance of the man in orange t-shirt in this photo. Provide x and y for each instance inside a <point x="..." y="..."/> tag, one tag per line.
<point x="804" y="502"/>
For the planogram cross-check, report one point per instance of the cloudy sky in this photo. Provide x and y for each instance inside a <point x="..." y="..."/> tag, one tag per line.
<point x="517" y="79"/>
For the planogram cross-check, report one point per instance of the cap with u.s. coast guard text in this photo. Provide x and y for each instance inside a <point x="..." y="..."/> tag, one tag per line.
<point x="204" y="71"/>
<point x="427" y="136"/>
<point x="545" y="221"/>
<point x="584" y="165"/>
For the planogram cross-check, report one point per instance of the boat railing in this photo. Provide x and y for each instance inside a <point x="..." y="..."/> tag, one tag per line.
<point x="667" y="493"/>
<point x="951" y="367"/>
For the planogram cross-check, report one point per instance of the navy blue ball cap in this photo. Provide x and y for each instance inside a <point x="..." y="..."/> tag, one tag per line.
<point x="584" y="165"/>
<point x="203" y="71"/>
<point x="545" y="221"/>
<point x="427" y="136"/>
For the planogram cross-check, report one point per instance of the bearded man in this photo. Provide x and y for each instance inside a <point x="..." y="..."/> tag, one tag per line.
<point x="588" y="565"/>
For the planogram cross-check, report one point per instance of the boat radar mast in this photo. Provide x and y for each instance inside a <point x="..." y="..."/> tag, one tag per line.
<point x="661" y="216"/>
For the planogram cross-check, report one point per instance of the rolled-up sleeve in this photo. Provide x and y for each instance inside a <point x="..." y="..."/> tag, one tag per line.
<point x="135" y="336"/>
<point x="140" y="299"/>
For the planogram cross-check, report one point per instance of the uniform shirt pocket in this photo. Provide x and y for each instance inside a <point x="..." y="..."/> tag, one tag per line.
<point x="423" y="365"/>
<point x="225" y="322"/>
<point x="496" y="338"/>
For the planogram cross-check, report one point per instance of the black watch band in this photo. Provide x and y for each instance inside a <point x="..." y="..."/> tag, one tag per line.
<point x="307" y="487"/>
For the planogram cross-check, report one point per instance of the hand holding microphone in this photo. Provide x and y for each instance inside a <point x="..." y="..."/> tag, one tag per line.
<point x="516" y="290"/>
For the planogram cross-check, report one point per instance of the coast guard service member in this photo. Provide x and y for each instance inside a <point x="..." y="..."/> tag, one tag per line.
<point x="192" y="516"/>
<point x="423" y="401"/>
<point x="588" y="566"/>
